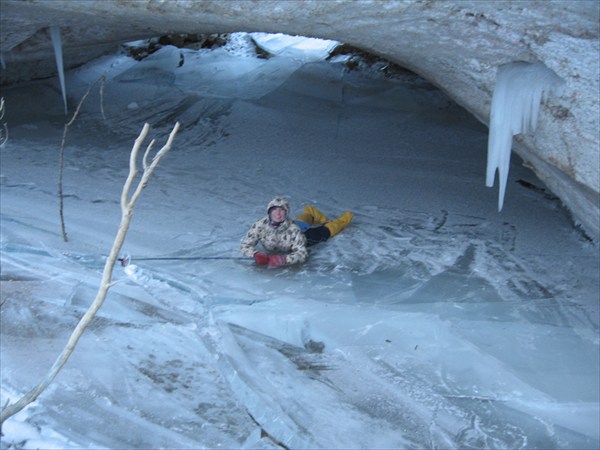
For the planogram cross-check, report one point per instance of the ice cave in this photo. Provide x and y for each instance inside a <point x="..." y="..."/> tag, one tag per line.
<point x="459" y="309"/>
<point x="458" y="46"/>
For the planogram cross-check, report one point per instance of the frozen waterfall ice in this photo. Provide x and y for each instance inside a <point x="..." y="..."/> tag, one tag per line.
<point x="57" y="44"/>
<point x="520" y="87"/>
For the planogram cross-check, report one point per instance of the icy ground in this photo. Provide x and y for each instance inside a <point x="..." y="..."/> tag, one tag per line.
<point x="431" y="322"/>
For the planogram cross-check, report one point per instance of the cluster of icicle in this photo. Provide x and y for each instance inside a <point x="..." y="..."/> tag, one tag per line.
<point x="520" y="89"/>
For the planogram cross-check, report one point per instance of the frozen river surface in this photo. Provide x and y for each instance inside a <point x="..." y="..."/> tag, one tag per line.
<point x="433" y="321"/>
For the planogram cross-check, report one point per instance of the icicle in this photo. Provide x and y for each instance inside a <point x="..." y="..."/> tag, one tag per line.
<point x="520" y="88"/>
<point x="57" y="44"/>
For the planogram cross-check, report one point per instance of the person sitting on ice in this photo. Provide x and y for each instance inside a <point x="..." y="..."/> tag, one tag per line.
<point x="284" y="240"/>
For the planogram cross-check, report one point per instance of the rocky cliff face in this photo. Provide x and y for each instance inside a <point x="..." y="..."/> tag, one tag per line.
<point x="456" y="45"/>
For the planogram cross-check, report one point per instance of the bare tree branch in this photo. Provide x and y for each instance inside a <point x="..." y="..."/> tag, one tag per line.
<point x="102" y="80"/>
<point x="4" y="129"/>
<point x="128" y="200"/>
<point x="62" y="152"/>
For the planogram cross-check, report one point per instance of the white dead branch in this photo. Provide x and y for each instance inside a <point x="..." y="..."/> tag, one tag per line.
<point x="61" y="163"/>
<point x="4" y="129"/>
<point x="129" y="196"/>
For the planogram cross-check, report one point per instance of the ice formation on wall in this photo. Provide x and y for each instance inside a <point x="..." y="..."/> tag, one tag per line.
<point x="57" y="44"/>
<point x="520" y="88"/>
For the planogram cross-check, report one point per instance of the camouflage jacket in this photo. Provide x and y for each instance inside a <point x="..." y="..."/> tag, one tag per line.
<point x="285" y="239"/>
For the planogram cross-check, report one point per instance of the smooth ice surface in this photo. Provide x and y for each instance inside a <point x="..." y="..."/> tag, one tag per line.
<point x="519" y="90"/>
<point x="431" y="322"/>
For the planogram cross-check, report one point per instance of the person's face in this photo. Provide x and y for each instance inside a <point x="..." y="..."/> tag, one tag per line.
<point x="278" y="215"/>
